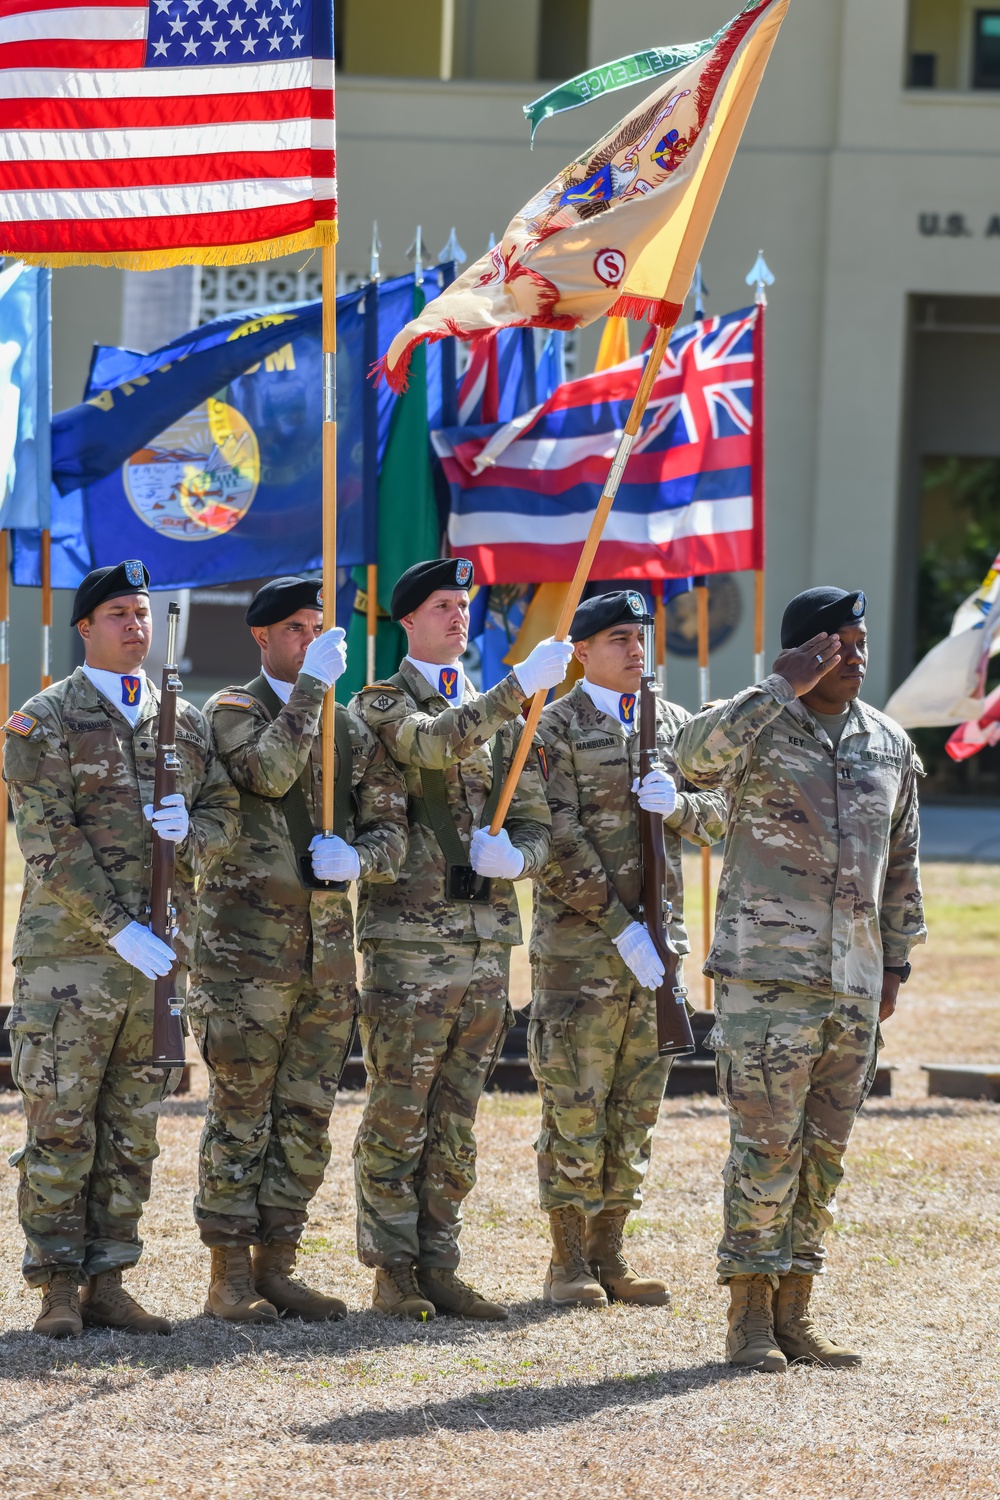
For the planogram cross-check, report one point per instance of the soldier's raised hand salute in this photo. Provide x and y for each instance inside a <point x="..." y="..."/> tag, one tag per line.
<point x="806" y="665"/>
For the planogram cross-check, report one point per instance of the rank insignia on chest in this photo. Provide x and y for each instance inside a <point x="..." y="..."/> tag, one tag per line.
<point x="626" y="708"/>
<point x="21" y="724"/>
<point x="131" y="690"/>
<point x="448" y="683"/>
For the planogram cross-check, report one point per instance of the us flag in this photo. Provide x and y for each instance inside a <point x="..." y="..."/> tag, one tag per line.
<point x="167" y="133"/>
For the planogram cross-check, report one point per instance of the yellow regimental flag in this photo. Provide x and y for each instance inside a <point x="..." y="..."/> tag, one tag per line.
<point x="540" y="621"/>
<point x="621" y="229"/>
<point x="614" y="348"/>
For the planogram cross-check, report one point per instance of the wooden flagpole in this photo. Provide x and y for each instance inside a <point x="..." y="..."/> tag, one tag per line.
<point x="329" y="262"/>
<point x="705" y="692"/>
<point x="4" y="715"/>
<point x="372" y="622"/>
<point x="46" y="608"/>
<point x="660" y="639"/>
<point x="586" y="562"/>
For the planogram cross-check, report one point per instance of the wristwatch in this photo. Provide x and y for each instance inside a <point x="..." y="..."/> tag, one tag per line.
<point x="903" y="970"/>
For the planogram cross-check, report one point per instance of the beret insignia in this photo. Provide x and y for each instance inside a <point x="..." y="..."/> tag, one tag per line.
<point x="134" y="573"/>
<point x="860" y="604"/>
<point x="637" y="604"/>
<point x="463" y="572"/>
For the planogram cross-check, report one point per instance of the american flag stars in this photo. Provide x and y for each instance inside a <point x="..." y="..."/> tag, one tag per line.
<point x="212" y="31"/>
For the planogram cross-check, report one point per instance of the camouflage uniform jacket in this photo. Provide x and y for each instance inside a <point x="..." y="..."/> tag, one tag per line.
<point x="591" y="888"/>
<point x="821" y="882"/>
<point x="78" y="782"/>
<point x="255" y="916"/>
<point x="421" y="732"/>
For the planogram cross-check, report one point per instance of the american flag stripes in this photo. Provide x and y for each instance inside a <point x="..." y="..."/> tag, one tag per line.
<point x="170" y="132"/>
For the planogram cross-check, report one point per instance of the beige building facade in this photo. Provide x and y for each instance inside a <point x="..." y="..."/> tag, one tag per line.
<point x="870" y="175"/>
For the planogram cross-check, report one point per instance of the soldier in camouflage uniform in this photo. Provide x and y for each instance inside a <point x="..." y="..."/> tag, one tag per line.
<point x="80" y="761"/>
<point x="273" y="996"/>
<point x="436" y="946"/>
<point x="818" y="907"/>
<point x="592" y="1038"/>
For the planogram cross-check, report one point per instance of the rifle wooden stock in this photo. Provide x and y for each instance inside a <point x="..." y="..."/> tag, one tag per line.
<point x="673" y="1027"/>
<point x="168" y="1005"/>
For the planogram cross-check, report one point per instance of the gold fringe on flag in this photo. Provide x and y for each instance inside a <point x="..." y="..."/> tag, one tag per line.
<point x="211" y="255"/>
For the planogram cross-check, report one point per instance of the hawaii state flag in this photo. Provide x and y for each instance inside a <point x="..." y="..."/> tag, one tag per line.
<point x="691" y="502"/>
<point x="622" y="228"/>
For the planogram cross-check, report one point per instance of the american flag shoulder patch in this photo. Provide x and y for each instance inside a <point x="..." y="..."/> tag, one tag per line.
<point x="22" y="724"/>
<point x="236" y="700"/>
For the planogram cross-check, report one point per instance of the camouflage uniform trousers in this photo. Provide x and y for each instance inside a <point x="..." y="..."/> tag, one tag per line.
<point x="433" y="1020"/>
<point x="275" y="1053"/>
<point x="592" y="1046"/>
<point x="794" y="1067"/>
<point x="79" y="1030"/>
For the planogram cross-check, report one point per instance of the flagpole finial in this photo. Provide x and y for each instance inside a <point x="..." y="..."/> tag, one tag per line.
<point x="761" y="277"/>
<point x="492" y="242"/>
<point x="374" y="273"/>
<point x="452" y="250"/>
<point x="700" y="292"/>
<point x="417" y="251"/>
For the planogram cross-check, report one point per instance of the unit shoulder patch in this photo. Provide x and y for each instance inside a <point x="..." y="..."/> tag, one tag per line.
<point x="381" y="698"/>
<point x="235" y="700"/>
<point x="22" y="724"/>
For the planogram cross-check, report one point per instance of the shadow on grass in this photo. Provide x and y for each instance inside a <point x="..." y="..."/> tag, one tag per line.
<point x="526" y="1410"/>
<point x="206" y="1343"/>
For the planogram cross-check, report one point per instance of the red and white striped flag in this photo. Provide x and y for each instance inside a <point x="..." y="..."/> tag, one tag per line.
<point x="172" y="132"/>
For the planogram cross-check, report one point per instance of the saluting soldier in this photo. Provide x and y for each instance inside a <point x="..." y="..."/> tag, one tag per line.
<point x="818" y="908"/>
<point x="80" y="760"/>
<point x="592" y="1038"/>
<point x="436" y="946"/>
<point x="274" y="990"/>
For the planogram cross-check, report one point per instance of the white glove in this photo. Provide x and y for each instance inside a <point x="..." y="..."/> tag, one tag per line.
<point x="326" y="657"/>
<point x="143" y="950"/>
<point x="546" y="666"/>
<point x="494" y="854"/>
<point x="333" y="859"/>
<point x="170" y="820"/>
<point x="636" y="947"/>
<point x="657" y="793"/>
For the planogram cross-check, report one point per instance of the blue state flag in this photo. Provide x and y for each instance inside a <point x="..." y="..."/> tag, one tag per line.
<point x="205" y="457"/>
<point x="25" y="396"/>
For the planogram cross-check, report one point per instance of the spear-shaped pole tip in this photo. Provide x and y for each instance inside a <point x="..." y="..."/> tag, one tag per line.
<point x="417" y="252"/>
<point x="761" y="277"/>
<point x="452" y="250"/>
<point x="374" y="272"/>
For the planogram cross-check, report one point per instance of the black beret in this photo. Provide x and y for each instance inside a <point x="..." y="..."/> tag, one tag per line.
<point x="818" y="611"/>
<point x="419" y="582"/>
<point x="625" y="606"/>
<point x="283" y="597"/>
<point x="109" y="583"/>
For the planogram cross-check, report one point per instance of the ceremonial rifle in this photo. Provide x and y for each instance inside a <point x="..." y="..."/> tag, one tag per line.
<point x="168" y="1005"/>
<point x="673" y="1027"/>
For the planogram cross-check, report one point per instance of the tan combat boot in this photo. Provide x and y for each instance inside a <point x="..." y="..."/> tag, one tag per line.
<point x="450" y="1294"/>
<point x="797" y="1336"/>
<point x="60" y="1314"/>
<point x="606" y="1254"/>
<point x="232" y="1295"/>
<point x="106" y="1304"/>
<point x="751" y="1343"/>
<point x="397" y="1292"/>
<point x="569" y="1281"/>
<point x="272" y="1277"/>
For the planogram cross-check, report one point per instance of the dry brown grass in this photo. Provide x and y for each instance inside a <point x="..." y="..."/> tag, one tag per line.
<point x="623" y="1403"/>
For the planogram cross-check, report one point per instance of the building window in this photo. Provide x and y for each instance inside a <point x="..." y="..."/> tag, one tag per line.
<point x="953" y="44"/>
<point x="986" y="62"/>
<point x="519" y="41"/>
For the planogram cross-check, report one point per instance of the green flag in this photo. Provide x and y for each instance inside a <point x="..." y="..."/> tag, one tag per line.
<point x="408" y="527"/>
